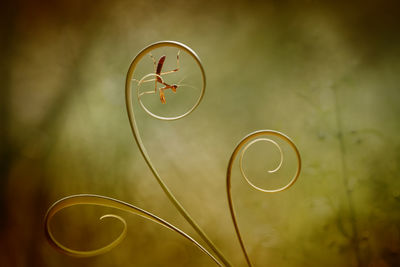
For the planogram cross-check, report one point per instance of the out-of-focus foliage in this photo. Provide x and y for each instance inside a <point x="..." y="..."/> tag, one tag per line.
<point x="315" y="70"/>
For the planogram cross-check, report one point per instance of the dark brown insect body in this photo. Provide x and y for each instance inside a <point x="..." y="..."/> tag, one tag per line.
<point x="160" y="80"/>
<point x="157" y="72"/>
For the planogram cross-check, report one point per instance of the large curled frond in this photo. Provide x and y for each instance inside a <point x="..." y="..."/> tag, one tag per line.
<point x="243" y="146"/>
<point x="90" y="199"/>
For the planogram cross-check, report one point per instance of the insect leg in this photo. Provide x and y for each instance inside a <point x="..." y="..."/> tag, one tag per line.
<point x="177" y="65"/>
<point x="155" y="69"/>
<point x="162" y="95"/>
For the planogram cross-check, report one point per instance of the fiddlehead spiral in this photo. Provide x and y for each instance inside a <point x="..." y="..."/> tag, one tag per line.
<point x="89" y="199"/>
<point x="109" y="202"/>
<point x="129" y="105"/>
<point x="243" y="145"/>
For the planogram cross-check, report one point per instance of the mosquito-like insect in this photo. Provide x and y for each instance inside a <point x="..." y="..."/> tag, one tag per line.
<point x="157" y="70"/>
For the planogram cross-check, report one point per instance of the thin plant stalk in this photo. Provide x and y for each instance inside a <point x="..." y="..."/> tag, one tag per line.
<point x="343" y="153"/>
<point x="138" y="139"/>
<point x="256" y="136"/>
<point x="90" y="199"/>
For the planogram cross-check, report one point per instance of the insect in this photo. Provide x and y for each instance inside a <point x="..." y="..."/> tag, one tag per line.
<point x="158" y="73"/>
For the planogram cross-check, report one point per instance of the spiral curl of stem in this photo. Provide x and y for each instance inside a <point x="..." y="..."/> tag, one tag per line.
<point x="109" y="202"/>
<point x="243" y="145"/>
<point x="97" y="200"/>
<point x="139" y="142"/>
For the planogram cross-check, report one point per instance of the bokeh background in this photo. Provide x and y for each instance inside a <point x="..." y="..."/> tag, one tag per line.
<point x="326" y="73"/>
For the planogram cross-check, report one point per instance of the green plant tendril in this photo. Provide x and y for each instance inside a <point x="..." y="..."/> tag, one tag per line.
<point x="136" y="134"/>
<point x="109" y="202"/>
<point x="249" y="141"/>
<point x="89" y="199"/>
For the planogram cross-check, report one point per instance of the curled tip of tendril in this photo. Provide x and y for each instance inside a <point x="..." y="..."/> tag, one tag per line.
<point x="243" y="146"/>
<point x="258" y="140"/>
<point x="259" y="136"/>
<point x="244" y="150"/>
<point x="156" y="77"/>
<point x="89" y="199"/>
<point x="72" y="201"/>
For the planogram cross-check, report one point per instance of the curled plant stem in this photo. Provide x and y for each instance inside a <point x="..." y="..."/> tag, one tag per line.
<point x="248" y="140"/>
<point x="138" y="139"/>
<point x="110" y="202"/>
<point x="90" y="199"/>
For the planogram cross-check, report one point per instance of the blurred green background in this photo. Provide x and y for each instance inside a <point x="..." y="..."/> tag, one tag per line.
<point x="325" y="73"/>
